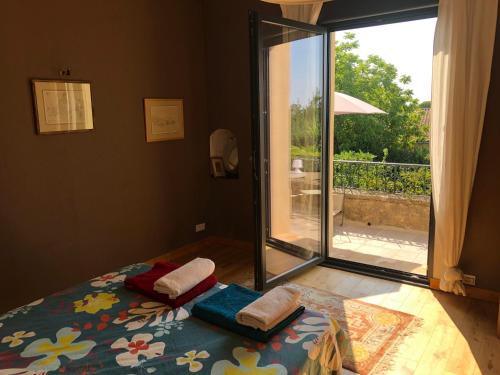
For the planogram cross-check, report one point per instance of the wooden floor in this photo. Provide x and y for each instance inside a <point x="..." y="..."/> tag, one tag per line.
<point x="458" y="334"/>
<point x="233" y="261"/>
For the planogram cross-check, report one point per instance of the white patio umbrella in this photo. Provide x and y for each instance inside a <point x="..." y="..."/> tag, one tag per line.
<point x="348" y="105"/>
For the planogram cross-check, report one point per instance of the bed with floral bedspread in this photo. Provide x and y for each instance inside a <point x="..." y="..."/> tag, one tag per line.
<point x="99" y="327"/>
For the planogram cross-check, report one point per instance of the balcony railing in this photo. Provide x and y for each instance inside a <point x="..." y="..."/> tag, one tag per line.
<point x="392" y="178"/>
<point x="378" y="177"/>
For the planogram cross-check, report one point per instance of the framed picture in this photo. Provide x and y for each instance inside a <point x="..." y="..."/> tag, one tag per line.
<point x="218" y="169"/>
<point x="62" y="106"/>
<point x="164" y="119"/>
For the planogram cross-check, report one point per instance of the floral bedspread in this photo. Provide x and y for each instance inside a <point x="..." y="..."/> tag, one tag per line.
<point x="100" y="327"/>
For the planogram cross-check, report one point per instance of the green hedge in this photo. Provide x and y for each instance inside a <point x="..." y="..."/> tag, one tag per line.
<point x="381" y="177"/>
<point x="367" y="175"/>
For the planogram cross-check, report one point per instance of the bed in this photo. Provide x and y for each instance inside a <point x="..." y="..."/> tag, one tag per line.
<point x="99" y="327"/>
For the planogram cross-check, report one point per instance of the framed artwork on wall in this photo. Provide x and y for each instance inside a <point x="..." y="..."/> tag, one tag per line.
<point x="62" y="106"/>
<point x="164" y="119"/>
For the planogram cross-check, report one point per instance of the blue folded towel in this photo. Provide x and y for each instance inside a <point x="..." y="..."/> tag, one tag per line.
<point x="221" y="309"/>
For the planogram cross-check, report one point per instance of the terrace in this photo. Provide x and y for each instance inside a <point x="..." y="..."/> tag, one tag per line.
<point x="381" y="212"/>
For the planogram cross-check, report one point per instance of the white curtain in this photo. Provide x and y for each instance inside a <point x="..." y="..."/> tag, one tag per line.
<point x="308" y="13"/>
<point x="463" y="50"/>
<point x="300" y="10"/>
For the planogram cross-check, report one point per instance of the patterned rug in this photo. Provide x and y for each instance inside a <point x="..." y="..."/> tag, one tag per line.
<point x="375" y="333"/>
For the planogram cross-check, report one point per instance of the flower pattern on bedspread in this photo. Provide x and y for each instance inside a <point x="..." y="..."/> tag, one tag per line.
<point x="138" y="350"/>
<point x="21" y="310"/>
<point x="93" y="303"/>
<point x="84" y="330"/>
<point x="173" y="321"/>
<point x="148" y="313"/>
<point x="192" y="359"/>
<point x="17" y="338"/>
<point x="107" y="279"/>
<point x="248" y="363"/>
<point x="65" y="345"/>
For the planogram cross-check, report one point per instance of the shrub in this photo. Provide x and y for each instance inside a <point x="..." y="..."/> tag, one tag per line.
<point x="384" y="178"/>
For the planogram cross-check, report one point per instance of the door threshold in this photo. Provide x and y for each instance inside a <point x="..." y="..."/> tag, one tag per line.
<point x="378" y="272"/>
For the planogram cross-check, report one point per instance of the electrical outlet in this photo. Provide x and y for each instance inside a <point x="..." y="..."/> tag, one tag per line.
<point x="470" y="280"/>
<point x="199" y="227"/>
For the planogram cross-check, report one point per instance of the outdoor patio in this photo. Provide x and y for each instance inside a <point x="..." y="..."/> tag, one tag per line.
<point x="383" y="246"/>
<point x="377" y="245"/>
<point x="381" y="213"/>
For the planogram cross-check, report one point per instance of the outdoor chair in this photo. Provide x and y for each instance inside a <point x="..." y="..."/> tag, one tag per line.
<point x="338" y="204"/>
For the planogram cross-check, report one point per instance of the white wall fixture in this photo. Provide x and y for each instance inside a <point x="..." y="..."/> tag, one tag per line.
<point x="224" y="152"/>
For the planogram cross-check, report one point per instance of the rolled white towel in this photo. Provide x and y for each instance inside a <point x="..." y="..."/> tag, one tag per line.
<point x="184" y="278"/>
<point x="270" y="309"/>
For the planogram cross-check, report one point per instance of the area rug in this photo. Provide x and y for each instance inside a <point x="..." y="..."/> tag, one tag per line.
<point x="375" y="333"/>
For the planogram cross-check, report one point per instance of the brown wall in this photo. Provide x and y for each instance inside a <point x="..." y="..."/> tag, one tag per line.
<point x="74" y="206"/>
<point x="231" y="201"/>
<point x="77" y="205"/>
<point x="228" y="84"/>
<point x="481" y="252"/>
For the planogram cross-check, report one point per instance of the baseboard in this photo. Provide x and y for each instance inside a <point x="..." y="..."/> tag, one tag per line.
<point x="472" y="292"/>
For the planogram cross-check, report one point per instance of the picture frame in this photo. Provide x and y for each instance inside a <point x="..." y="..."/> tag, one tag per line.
<point x="163" y="119"/>
<point x="218" y="169"/>
<point x="62" y="106"/>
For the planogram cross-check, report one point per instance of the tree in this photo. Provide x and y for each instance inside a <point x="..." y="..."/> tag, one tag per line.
<point x="377" y="82"/>
<point x="425" y="105"/>
<point x="306" y="124"/>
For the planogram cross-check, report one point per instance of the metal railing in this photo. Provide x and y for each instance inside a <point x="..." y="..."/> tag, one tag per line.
<point x="378" y="177"/>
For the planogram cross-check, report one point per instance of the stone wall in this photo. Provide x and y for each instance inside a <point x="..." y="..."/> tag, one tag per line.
<point x="365" y="207"/>
<point x="397" y="211"/>
<point x="373" y="209"/>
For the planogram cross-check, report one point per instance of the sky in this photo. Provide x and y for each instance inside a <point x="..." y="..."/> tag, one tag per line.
<point x="306" y="66"/>
<point x="407" y="45"/>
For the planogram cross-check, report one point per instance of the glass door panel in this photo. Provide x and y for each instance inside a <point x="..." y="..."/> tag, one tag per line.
<point x="292" y="132"/>
<point x="381" y="219"/>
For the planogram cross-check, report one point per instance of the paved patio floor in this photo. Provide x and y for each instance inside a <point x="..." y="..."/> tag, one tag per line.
<point x="390" y="247"/>
<point x="384" y="246"/>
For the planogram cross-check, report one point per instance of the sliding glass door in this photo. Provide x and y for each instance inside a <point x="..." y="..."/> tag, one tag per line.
<point x="382" y="213"/>
<point x="369" y="210"/>
<point x="290" y="143"/>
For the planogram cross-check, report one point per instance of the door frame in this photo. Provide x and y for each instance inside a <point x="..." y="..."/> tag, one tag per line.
<point x="258" y="139"/>
<point x="259" y="151"/>
<point x="367" y="269"/>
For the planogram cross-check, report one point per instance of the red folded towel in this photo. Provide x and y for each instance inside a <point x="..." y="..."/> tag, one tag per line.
<point x="144" y="282"/>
